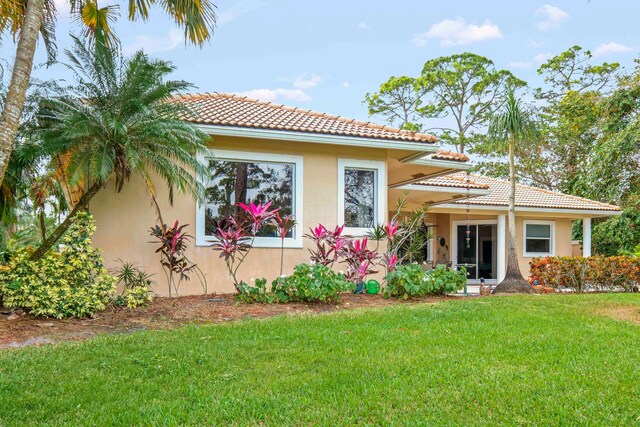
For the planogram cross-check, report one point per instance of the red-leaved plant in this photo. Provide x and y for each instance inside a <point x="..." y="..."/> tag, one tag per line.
<point x="235" y="238"/>
<point x="173" y="245"/>
<point x="360" y="259"/>
<point x="328" y="244"/>
<point x="283" y="226"/>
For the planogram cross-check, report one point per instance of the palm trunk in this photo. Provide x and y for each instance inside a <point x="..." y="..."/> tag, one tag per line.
<point x="513" y="281"/>
<point x="43" y="225"/>
<point x="17" y="90"/>
<point x="60" y="230"/>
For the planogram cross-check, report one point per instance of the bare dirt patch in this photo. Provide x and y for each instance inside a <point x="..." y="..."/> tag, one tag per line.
<point x="20" y="330"/>
<point x="624" y="313"/>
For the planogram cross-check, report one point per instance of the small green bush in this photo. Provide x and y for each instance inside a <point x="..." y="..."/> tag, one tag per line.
<point x="308" y="283"/>
<point x="136" y="284"/>
<point x="70" y="283"/>
<point x="410" y="280"/>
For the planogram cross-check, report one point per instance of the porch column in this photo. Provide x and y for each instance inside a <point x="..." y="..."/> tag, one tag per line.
<point x="586" y="237"/>
<point x="502" y="247"/>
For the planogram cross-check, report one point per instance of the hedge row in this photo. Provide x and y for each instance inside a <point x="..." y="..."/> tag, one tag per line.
<point x="598" y="273"/>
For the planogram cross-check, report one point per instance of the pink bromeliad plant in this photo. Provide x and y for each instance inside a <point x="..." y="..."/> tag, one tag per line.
<point x="235" y="238"/>
<point x="283" y="226"/>
<point x="173" y="245"/>
<point x="360" y="260"/>
<point x="328" y="244"/>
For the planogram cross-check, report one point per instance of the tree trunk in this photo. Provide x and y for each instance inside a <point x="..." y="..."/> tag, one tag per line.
<point x="60" y="230"/>
<point x="43" y="225"/>
<point x="513" y="281"/>
<point x="17" y="90"/>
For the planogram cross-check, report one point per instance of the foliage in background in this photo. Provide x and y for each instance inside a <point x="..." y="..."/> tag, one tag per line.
<point x="411" y="280"/>
<point x="308" y="283"/>
<point x="617" y="235"/>
<point x="598" y="273"/>
<point x="136" y="285"/>
<point x="69" y="283"/>
<point x="465" y="87"/>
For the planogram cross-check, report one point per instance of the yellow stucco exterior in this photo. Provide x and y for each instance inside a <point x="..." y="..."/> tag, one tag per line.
<point x="123" y="219"/>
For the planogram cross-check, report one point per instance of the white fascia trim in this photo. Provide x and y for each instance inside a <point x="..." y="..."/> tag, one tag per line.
<point x="317" y="138"/>
<point x="261" y="242"/>
<point x="552" y="238"/>
<point x="579" y="212"/>
<point x="451" y="164"/>
<point x="450" y="190"/>
<point x="381" y="192"/>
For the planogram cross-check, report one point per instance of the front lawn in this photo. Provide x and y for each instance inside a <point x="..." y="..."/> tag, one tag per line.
<point x="539" y="360"/>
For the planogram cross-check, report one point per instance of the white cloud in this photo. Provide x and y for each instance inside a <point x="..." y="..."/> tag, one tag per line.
<point x="542" y="58"/>
<point x="346" y="85"/>
<point x="520" y="64"/>
<point x="363" y="25"/>
<point x="454" y="32"/>
<point x="611" y="48"/>
<point x="552" y="16"/>
<point x="151" y="45"/>
<point x="307" y="81"/>
<point x="271" y="95"/>
<point x="534" y="43"/>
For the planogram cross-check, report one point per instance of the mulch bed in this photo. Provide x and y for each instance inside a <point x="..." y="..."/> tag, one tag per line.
<point x="20" y="330"/>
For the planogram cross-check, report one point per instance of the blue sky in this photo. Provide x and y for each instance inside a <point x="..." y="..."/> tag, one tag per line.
<point x="325" y="55"/>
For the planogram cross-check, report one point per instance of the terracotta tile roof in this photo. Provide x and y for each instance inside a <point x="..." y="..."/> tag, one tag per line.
<point x="239" y="111"/>
<point x="453" y="181"/>
<point x="526" y="196"/>
<point x="449" y="155"/>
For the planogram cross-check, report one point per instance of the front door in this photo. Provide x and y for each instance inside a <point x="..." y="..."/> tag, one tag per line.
<point x="480" y="252"/>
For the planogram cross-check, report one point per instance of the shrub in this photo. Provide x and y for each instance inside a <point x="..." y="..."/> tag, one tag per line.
<point x="587" y="274"/>
<point x="136" y="285"/>
<point x="69" y="283"/>
<point x="410" y="280"/>
<point x="308" y="283"/>
<point x="255" y="293"/>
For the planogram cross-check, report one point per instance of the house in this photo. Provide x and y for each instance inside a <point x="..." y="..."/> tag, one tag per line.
<point x="332" y="170"/>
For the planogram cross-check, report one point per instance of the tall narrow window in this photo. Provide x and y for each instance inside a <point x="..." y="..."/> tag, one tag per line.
<point x="359" y="198"/>
<point x="361" y="195"/>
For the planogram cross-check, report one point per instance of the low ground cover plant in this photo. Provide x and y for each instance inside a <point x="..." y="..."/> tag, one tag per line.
<point x="579" y="274"/>
<point x="136" y="285"/>
<point x="308" y="283"/>
<point x="72" y="282"/>
<point x="411" y="280"/>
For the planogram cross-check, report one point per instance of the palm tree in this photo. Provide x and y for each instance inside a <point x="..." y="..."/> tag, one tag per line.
<point x="27" y="19"/>
<point x="117" y="122"/>
<point x="512" y="125"/>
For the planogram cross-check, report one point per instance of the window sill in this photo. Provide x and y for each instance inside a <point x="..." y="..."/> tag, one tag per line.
<point x="537" y="255"/>
<point x="260" y="242"/>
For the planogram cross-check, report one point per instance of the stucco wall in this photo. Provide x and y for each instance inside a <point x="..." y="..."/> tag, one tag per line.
<point x="123" y="219"/>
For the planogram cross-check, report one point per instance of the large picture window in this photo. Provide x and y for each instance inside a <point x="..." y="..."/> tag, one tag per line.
<point x="539" y="238"/>
<point x="361" y="195"/>
<point x="251" y="178"/>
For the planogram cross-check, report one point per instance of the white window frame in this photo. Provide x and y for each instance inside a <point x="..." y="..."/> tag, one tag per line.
<point x="552" y="238"/>
<point x="245" y="156"/>
<point x="380" y="167"/>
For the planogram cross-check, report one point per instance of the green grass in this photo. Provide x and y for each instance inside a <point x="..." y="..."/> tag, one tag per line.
<point x="545" y="360"/>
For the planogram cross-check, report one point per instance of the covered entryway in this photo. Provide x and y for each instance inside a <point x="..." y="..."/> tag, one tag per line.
<point x="480" y="254"/>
